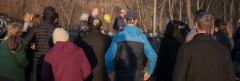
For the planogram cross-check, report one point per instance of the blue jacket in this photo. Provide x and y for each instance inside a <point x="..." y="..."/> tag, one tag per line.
<point x="119" y="21"/>
<point x="130" y="33"/>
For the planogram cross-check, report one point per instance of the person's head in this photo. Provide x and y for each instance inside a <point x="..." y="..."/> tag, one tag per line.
<point x="95" y="11"/>
<point x="173" y="29"/>
<point x="59" y="34"/>
<point x="49" y="14"/>
<point x="205" y="22"/>
<point x="224" y="26"/>
<point x="37" y="19"/>
<point x="181" y="24"/>
<point x="96" y="24"/>
<point x="130" y="18"/>
<point x="198" y="13"/>
<point x="122" y="13"/>
<point x="15" y="30"/>
<point x="84" y="17"/>
<point x="56" y="19"/>
<point x="28" y="17"/>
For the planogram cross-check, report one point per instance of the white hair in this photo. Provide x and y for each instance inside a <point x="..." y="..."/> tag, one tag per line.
<point x="84" y="16"/>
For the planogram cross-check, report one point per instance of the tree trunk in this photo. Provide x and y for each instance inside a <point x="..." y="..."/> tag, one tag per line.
<point x="231" y="13"/>
<point x="161" y="17"/>
<point x="180" y="9"/>
<point x="189" y="13"/>
<point x="198" y="7"/>
<point x="225" y="10"/>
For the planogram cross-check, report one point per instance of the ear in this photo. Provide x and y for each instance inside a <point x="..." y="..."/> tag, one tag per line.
<point x="216" y="29"/>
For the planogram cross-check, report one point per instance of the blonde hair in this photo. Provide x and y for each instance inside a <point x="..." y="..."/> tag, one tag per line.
<point x="15" y="30"/>
<point x="28" y="16"/>
<point x="36" y="19"/>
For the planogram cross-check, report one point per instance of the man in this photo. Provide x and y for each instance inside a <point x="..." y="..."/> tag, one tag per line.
<point x="119" y="23"/>
<point x="128" y="49"/>
<point x="95" y="13"/>
<point x="193" y="31"/>
<point x="95" y="45"/>
<point x="203" y="58"/>
<point x="42" y="37"/>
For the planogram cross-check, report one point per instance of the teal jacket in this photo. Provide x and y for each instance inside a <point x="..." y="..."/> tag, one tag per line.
<point x="12" y="63"/>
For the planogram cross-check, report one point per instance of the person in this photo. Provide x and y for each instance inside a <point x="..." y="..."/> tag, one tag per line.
<point x="170" y="44"/>
<point x="223" y="33"/>
<point x="36" y="19"/>
<point x="203" y="58"/>
<point x="65" y="61"/>
<point x="128" y="49"/>
<point x="94" y="14"/>
<point x="193" y="30"/>
<point x="13" y="56"/>
<point x="27" y="18"/>
<point x="56" y="20"/>
<point x="237" y="34"/>
<point x="83" y="27"/>
<point x="184" y="29"/>
<point x="42" y="37"/>
<point x="119" y="23"/>
<point x="95" y="51"/>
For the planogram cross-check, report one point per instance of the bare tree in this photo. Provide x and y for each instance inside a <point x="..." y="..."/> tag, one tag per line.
<point x="161" y="14"/>
<point x="171" y="4"/>
<point x="189" y="13"/>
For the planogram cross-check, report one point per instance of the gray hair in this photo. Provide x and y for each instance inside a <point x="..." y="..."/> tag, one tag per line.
<point x="205" y="21"/>
<point x="84" y="16"/>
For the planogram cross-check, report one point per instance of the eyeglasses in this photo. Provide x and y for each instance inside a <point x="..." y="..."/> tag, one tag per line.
<point x="122" y="12"/>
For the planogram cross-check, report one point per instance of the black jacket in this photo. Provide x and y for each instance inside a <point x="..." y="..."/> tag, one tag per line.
<point x="203" y="59"/>
<point x="222" y="38"/>
<point x="95" y="45"/>
<point x="43" y="39"/>
<point x="90" y="20"/>
<point x="167" y="56"/>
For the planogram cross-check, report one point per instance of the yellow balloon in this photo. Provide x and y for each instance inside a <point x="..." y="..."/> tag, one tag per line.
<point x="107" y="18"/>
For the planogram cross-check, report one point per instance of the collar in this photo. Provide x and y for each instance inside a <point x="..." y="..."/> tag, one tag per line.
<point x="203" y="36"/>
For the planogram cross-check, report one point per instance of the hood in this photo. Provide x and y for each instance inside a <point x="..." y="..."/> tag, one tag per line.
<point x="49" y="14"/>
<point x="64" y="49"/>
<point x="132" y="31"/>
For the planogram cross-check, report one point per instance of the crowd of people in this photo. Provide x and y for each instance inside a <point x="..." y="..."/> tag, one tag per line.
<point x="41" y="48"/>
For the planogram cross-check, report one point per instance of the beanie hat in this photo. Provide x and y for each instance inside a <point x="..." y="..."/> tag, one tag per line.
<point x="59" y="34"/>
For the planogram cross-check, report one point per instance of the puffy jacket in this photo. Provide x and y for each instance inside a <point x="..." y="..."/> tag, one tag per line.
<point x="12" y="63"/>
<point x="65" y="62"/>
<point x="128" y="48"/>
<point x="42" y="35"/>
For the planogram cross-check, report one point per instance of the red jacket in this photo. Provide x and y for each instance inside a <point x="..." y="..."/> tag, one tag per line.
<point x="65" y="62"/>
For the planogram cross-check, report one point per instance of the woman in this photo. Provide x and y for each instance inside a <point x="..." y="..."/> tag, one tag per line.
<point x="27" y="18"/>
<point x="83" y="26"/>
<point x="168" y="50"/>
<point x="223" y="33"/>
<point x="13" y="58"/>
<point x="36" y="19"/>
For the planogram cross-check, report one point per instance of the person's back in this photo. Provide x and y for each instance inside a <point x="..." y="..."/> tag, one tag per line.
<point x="95" y="45"/>
<point x="203" y="58"/>
<point x="65" y="60"/>
<point x="42" y="33"/>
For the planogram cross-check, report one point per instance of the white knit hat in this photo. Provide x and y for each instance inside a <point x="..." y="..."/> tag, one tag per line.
<point x="59" y="34"/>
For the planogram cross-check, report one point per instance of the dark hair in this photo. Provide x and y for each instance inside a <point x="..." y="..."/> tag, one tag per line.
<point x="223" y="26"/>
<point x="173" y="29"/>
<point x="95" y="25"/>
<point x="130" y="20"/>
<point x="205" y="21"/>
<point x="198" y="13"/>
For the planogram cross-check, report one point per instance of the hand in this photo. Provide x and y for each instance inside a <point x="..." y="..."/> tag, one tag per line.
<point x="111" y="75"/>
<point x="121" y="28"/>
<point x="146" y="76"/>
<point x="32" y="46"/>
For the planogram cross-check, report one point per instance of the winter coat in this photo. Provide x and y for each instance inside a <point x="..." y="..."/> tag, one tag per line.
<point x="128" y="49"/>
<point x="203" y="59"/>
<point x="167" y="56"/>
<point x="90" y="20"/>
<point x="222" y="38"/>
<point x="42" y="33"/>
<point x="119" y="21"/>
<point x="95" y="45"/>
<point x="65" y="62"/>
<point x="191" y="34"/>
<point x="12" y="63"/>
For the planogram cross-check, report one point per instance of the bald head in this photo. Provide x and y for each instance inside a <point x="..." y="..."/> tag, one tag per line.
<point x="95" y="11"/>
<point x="96" y="24"/>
